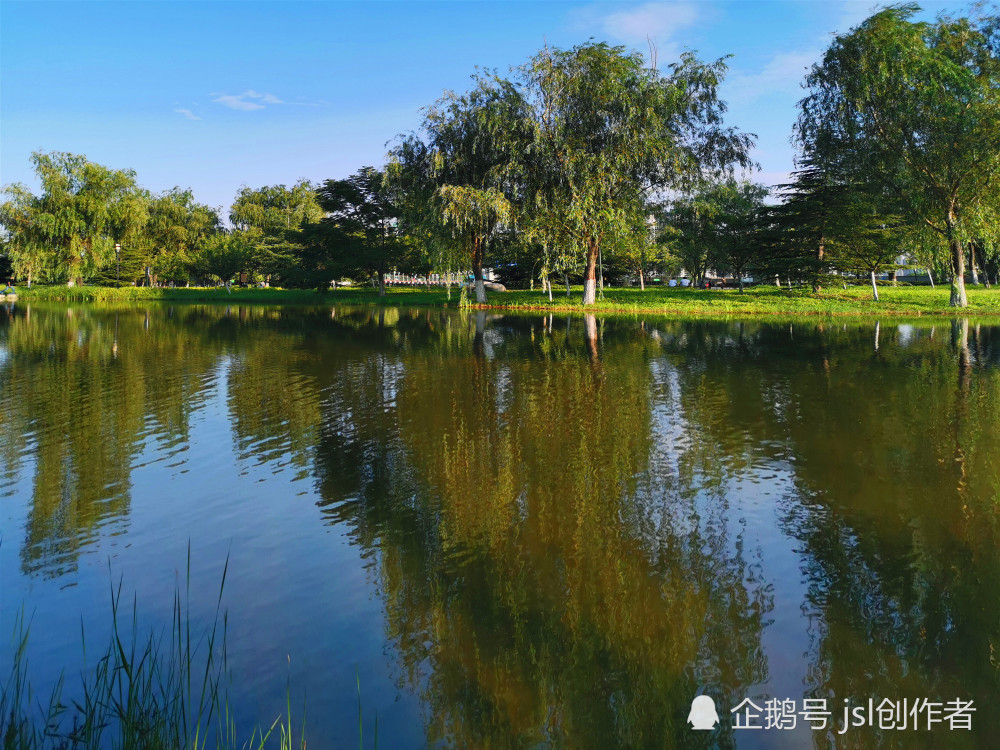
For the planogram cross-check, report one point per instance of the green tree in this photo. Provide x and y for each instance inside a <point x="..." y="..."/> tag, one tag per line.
<point x="635" y="246"/>
<point x="692" y="218"/>
<point x="72" y="227"/>
<point x="225" y="254"/>
<point x="407" y="181"/>
<point x="177" y="226"/>
<point x="23" y="247"/>
<point x="463" y="170"/>
<point x="912" y="108"/>
<point x="796" y="232"/>
<point x="737" y="246"/>
<point x="866" y="241"/>
<point x="719" y="226"/>
<point x="607" y="128"/>
<point x="272" y="216"/>
<point x="367" y="236"/>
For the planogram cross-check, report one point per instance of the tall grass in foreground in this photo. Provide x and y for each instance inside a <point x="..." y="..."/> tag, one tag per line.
<point x="149" y="692"/>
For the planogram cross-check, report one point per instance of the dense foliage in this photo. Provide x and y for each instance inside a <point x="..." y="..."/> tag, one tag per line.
<point x="584" y="163"/>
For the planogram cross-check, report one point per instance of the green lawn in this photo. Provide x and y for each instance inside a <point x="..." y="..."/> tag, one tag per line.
<point x="902" y="300"/>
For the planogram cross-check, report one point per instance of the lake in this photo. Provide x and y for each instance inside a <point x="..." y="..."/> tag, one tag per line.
<point x="517" y="530"/>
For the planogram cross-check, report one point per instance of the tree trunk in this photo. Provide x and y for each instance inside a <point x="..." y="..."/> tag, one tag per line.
<point x="874" y="287"/>
<point x="960" y="337"/>
<point x="930" y="275"/>
<point x="477" y="269"/>
<point x="566" y="282"/>
<point x="820" y="252"/>
<point x="478" y="340"/>
<point x="600" y="270"/>
<point x="777" y="281"/>
<point x="741" y="283"/>
<point x="381" y="284"/>
<point x="958" y="295"/>
<point x="548" y="283"/>
<point x="972" y="264"/>
<point x="642" y="280"/>
<point x="590" y="274"/>
<point x="590" y="331"/>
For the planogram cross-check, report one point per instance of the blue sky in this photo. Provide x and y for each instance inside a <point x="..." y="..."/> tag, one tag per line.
<point x="212" y="96"/>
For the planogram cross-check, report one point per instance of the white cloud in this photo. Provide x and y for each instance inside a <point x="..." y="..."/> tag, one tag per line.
<point x="659" y="22"/>
<point x="248" y="101"/>
<point x="782" y="74"/>
<point x="188" y="114"/>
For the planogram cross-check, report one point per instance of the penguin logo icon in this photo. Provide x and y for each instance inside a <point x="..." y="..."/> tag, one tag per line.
<point x="703" y="714"/>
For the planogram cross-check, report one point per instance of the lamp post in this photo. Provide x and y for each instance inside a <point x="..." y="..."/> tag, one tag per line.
<point x="118" y="263"/>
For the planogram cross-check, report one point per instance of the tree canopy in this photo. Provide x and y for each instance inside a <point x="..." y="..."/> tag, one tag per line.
<point x="607" y="129"/>
<point x="589" y="158"/>
<point x="910" y="108"/>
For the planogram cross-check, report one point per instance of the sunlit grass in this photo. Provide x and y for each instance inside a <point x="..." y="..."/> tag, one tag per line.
<point x="762" y="300"/>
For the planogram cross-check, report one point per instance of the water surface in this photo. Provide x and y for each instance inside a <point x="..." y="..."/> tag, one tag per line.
<point x="518" y="531"/>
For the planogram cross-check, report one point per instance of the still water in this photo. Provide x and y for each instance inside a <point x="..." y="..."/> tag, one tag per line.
<point x="516" y="531"/>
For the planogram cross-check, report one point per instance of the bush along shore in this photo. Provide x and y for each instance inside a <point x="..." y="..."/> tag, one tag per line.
<point x="854" y="300"/>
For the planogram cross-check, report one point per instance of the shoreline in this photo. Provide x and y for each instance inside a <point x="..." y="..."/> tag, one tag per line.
<point x="913" y="302"/>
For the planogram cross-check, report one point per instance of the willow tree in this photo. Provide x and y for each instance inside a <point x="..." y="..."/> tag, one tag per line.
<point x="912" y="107"/>
<point x="547" y="227"/>
<point x="607" y="129"/>
<point x="23" y="247"/>
<point x="172" y="237"/>
<point x="465" y="164"/>
<point x="272" y="217"/>
<point x="72" y="227"/>
<point x="409" y="186"/>
<point x="476" y="214"/>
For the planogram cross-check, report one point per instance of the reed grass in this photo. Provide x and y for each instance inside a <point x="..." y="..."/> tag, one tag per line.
<point x="144" y="692"/>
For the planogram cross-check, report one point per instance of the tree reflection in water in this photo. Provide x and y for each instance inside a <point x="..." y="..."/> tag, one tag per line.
<point x="554" y="509"/>
<point x="542" y="582"/>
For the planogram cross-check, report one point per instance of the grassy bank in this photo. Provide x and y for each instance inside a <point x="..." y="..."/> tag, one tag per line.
<point x="63" y="293"/>
<point x="896" y="301"/>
